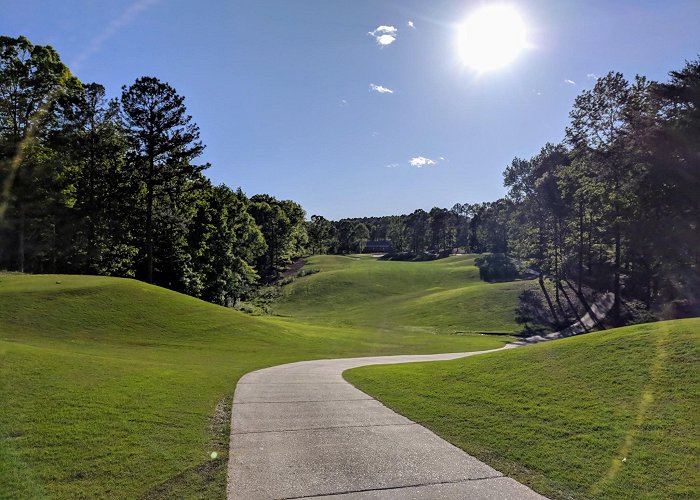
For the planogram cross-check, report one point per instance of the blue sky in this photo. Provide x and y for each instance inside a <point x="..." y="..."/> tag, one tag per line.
<point x="281" y="88"/>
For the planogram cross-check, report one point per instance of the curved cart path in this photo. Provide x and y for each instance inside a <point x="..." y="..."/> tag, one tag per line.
<point x="300" y="430"/>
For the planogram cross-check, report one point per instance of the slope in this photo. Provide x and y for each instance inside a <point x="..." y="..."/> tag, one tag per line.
<point x="612" y="414"/>
<point x="114" y="387"/>
<point x="441" y="296"/>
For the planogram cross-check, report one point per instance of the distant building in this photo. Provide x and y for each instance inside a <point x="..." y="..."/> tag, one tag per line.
<point x="378" y="246"/>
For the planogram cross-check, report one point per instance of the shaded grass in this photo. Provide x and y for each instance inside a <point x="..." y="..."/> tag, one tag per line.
<point x="108" y="386"/>
<point x="613" y="414"/>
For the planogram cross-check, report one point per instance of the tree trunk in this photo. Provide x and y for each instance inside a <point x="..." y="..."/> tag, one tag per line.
<point x="583" y="301"/>
<point x="616" y="279"/>
<point x="20" y="249"/>
<point x="149" y="223"/>
<point x="54" y="246"/>
<point x="540" y="280"/>
<point x="590" y="245"/>
<point x="571" y="306"/>
<point x="580" y="245"/>
<point x="557" y="299"/>
<point x="557" y="282"/>
<point x="91" y="225"/>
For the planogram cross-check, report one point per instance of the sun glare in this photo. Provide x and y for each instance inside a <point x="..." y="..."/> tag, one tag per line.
<point x="491" y="38"/>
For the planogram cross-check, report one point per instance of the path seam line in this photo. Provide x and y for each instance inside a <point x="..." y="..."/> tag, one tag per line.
<point x="325" y="428"/>
<point x="419" y="485"/>
<point x="305" y="401"/>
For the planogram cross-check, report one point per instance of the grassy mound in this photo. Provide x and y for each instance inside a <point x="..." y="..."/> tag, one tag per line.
<point x="613" y="414"/>
<point x="441" y="296"/>
<point x="111" y="387"/>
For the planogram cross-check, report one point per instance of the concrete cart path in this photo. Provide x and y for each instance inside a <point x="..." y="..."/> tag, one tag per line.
<point x="300" y="430"/>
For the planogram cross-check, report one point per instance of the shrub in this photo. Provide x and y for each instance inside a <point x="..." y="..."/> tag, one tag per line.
<point x="497" y="267"/>
<point x="531" y="312"/>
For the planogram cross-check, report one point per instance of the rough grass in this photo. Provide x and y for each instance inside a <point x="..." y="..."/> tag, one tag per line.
<point x="108" y="387"/>
<point x="441" y="296"/>
<point x="614" y="414"/>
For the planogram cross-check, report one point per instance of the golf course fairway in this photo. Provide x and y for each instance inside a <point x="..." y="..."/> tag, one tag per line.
<point x="114" y="387"/>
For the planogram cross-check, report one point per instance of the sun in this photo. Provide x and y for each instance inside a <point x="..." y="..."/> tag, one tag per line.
<point x="491" y="38"/>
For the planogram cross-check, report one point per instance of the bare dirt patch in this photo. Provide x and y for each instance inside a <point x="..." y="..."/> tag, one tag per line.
<point x="294" y="268"/>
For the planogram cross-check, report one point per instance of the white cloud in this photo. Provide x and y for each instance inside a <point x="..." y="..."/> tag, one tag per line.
<point x="570" y="82"/>
<point x="410" y="24"/>
<point x="592" y="76"/>
<point x="344" y="103"/>
<point x="384" y="35"/>
<point x="383" y="29"/>
<point x="392" y="165"/>
<point x="385" y="40"/>
<point x="441" y="158"/>
<point x="421" y="161"/>
<point x="380" y="89"/>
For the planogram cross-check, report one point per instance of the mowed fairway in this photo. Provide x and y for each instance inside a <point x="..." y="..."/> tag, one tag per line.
<point x="613" y="414"/>
<point x="110" y="387"/>
<point x="441" y="296"/>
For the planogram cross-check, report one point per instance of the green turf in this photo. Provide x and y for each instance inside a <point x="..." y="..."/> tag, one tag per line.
<point x="614" y="414"/>
<point x="108" y="387"/>
<point x="441" y="296"/>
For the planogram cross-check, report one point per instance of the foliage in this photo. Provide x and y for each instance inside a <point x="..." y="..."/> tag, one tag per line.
<point x="409" y="256"/>
<point x="531" y="312"/>
<point x="164" y="142"/>
<point x="284" y="230"/>
<point x="476" y="228"/>
<point x="111" y="187"/>
<point x="613" y="208"/>
<point x="320" y="231"/>
<point x="497" y="267"/>
<point x="94" y="186"/>
<point x="33" y="84"/>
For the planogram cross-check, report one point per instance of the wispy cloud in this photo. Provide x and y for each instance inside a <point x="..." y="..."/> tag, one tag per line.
<point x="592" y="76"/>
<point x="384" y="35"/>
<point x="570" y="82"/>
<point x="94" y="45"/>
<point x="392" y="165"/>
<point x="421" y="161"/>
<point x="344" y="103"/>
<point x="410" y="24"/>
<point x="380" y="89"/>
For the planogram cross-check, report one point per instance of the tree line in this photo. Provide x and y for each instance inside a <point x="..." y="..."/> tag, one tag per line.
<point x="616" y="206"/>
<point x="613" y="208"/>
<point x="92" y="185"/>
<point x="471" y="228"/>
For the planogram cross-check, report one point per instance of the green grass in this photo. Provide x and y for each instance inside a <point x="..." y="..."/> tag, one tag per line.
<point x="441" y="296"/>
<point x="614" y="414"/>
<point x="109" y="386"/>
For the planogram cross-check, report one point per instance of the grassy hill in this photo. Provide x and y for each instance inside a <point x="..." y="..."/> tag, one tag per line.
<point x="111" y="387"/>
<point x="613" y="414"/>
<point x="441" y="296"/>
